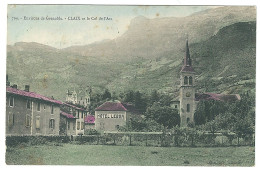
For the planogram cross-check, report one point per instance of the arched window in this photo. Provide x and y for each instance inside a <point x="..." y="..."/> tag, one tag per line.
<point x="190" y="80"/>
<point x="188" y="107"/>
<point x="185" y="80"/>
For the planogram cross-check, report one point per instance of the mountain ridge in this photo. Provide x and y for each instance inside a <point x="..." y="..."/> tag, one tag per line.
<point x="151" y="60"/>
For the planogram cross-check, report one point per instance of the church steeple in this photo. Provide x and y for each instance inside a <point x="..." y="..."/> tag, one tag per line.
<point x="187" y="59"/>
<point x="187" y="65"/>
<point x="187" y="90"/>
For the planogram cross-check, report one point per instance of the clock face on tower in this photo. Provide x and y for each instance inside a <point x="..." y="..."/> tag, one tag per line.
<point x="188" y="94"/>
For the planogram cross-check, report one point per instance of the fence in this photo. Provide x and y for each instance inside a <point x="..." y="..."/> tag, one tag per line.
<point x="157" y="139"/>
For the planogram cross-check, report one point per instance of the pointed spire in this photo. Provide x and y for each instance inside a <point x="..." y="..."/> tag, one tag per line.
<point x="187" y="59"/>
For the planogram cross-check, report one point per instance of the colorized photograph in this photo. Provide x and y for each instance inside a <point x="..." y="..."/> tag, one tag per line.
<point x="130" y="85"/>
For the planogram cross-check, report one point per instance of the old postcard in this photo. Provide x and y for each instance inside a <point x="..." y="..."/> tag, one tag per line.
<point x="130" y="85"/>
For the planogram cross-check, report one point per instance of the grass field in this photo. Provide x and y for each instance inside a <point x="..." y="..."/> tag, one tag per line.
<point x="71" y="154"/>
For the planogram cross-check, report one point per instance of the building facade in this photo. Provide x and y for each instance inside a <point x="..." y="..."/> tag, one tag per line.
<point x="188" y="98"/>
<point x="72" y="97"/>
<point x="110" y="116"/>
<point x="72" y="119"/>
<point x="187" y="90"/>
<point x="29" y="113"/>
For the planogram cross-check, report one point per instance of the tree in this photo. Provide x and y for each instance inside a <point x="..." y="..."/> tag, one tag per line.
<point x="155" y="97"/>
<point x="106" y="95"/>
<point x="200" y="113"/>
<point x="212" y="126"/>
<point x="165" y="100"/>
<point x="164" y="115"/>
<point x="129" y="96"/>
<point x="207" y="110"/>
<point x="139" y="102"/>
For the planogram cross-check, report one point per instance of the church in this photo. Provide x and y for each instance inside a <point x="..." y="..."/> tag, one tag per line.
<point x="188" y="98"/>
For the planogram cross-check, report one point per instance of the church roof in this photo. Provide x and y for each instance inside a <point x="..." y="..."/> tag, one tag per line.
<point x="219" y="97"/>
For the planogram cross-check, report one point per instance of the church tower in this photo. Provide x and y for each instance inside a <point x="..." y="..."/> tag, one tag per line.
<point x="87" y="97"/>
<point x="187" y="90"/>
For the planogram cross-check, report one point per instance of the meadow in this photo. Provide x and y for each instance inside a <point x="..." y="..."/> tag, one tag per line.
<point x="73" y="154"/>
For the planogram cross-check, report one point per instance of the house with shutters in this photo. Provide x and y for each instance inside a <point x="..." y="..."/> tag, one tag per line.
<point x="29" y="113"/>
<point x="72" y="119"/>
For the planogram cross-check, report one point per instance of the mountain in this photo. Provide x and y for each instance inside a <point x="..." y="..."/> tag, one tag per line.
<point x="150" y="38"/>
<point x="225" y="63"/>
<point x="148" y="56"/>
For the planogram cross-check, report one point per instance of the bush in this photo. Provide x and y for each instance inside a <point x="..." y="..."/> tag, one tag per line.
<point x="92" y="132"/>
<point x="12" y="141"/>
<point x="86" y="138"/>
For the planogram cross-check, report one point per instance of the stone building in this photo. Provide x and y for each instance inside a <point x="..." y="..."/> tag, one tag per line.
<point x="84" y="99"/>
<point x="187" y="90"/>
<point x="111" y="115"/>
<point x="72" y="119"/>
<point x="188" y="98"/>
<point x="72" y="97"/>
<point x="81" y="98"/>
<point x="29" y="113"/>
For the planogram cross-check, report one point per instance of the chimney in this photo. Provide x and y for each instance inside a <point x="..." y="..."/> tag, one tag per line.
<point x="14" y="86"/>
<point x="27" y="88"/>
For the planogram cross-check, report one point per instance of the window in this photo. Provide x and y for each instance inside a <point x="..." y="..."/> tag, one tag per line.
<point x="28" y="120"/>
<point x="11" y="101"/>
<point x="78" y="125"/>
<point x="82" y="114"/>
<point x="52" y="123"/>
<point x="185" y="80"/>
<point x="51" y="109"/>
<point x="190" y="80"/>
<point x="188" y="107"/>
<point x="37" y="122"/>
<point x="68" y="125"/>
<point x="38" y="106"/>
<point x="176" y="106"/>
<point x="74" y="125"/>
<point x="82" y="125"/>
<point x="11" y="119"/>
<point x="28" y="104"/>
<point x="44" y="107"/>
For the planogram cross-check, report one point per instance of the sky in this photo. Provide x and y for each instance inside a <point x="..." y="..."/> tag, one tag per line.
<point x="64" y="33"/>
